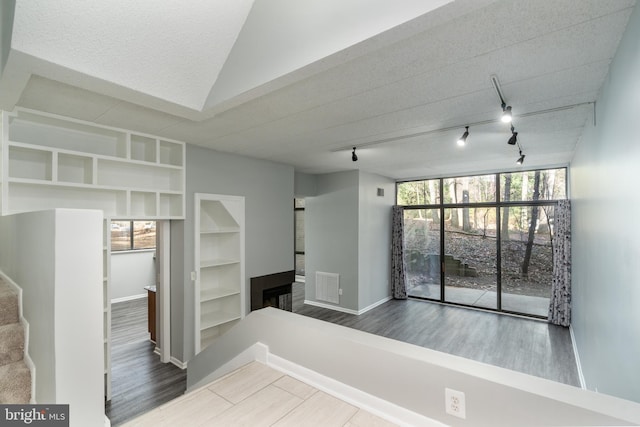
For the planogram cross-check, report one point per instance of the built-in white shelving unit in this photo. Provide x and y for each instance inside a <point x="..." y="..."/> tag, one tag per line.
<point x="106" y="305"/>
<point x="219" y="265"/>
<point x="55" y="162"/>
<point x="49" y="161"/>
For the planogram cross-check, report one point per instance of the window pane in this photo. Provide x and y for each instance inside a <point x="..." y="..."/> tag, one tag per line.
<point x="470" y="256"/>
<point x="527" y="258"/>
<point x="470" y="189"/>
<point x="550" y="184"/>
<point x="120" y="235"/>
<point x="144" y="234"/>
<point x="419" y="192"/>
<point x="422" y="252"/>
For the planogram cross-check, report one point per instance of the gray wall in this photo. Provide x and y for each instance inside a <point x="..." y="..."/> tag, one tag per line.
<point x="331" y="235"/>
<point x="268" y="191"/>
<point x="25" y="238"/>
<point x="7" y="11"/>
<point x="348" y="231"/>
<point x="374" y="254"/>
<point x="408" y="376"/>
<point x="606" y="241"/>
<point x="305" y="185"/>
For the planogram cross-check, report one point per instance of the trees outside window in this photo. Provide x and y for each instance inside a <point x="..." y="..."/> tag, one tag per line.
<point x="132" y="235"/>
<point x="496" y="248"/>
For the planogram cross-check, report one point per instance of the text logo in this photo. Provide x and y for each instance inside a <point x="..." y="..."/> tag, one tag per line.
<point x="34" y="415"/>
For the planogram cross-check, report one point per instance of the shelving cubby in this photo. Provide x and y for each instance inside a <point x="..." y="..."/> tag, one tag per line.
<point x="219" y="265"/>
<point x="58" y="162"/>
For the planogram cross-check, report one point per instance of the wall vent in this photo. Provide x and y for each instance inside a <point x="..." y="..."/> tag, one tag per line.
<point x="380" y="192"/>
<point x="327" y="287"/>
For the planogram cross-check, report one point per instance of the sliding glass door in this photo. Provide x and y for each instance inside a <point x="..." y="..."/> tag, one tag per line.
<point x="470" y="257"/>
<point x="482" y="241"/>
<point x="422" y="252"/>
<point x="526" y="258"/>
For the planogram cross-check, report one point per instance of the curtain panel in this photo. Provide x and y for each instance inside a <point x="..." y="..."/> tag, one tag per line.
<point x="560" y="302"/>
<point x="398" y="267"/>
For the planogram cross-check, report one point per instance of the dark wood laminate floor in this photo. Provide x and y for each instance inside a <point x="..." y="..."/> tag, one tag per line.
<point x="520" y="344"/>
<point x="140" y="382"/>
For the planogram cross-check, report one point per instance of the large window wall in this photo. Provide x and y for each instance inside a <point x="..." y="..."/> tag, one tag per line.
<point x="482" y="241"/>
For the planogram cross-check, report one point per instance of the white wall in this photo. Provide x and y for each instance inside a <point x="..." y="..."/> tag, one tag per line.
<point x="605" y="237"/>
<point x="131" y="271"/>
<point x="268" y="191"/>
<point x="62" y="303"/>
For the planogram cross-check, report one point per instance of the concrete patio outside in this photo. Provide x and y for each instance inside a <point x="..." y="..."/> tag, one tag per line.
<point x="481" y="298"/>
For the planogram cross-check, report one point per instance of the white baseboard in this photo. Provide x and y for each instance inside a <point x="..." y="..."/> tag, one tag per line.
<point x="583" y="383"/>
<point x="129" y="298"/>
<point x="179" y="363"/>
<point x="347" y="310"/>
<point x="374" y="305"/>
<point x="330" y="307"/>
<point x="376" y="406"/>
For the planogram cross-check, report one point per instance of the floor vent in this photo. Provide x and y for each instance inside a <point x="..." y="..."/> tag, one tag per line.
<point x="327" y="285"/>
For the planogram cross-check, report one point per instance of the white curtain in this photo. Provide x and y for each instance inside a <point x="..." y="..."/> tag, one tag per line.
<point x="398" y="268"/>
<point x="560" y="302"/>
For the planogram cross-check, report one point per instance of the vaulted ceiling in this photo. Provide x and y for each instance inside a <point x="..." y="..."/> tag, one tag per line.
<point x="302" y="82"/>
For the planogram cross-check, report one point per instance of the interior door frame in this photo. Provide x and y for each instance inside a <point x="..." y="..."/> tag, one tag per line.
<point x="163" y="285"/>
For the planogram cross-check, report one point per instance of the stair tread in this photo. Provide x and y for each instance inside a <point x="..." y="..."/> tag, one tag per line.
<point x="15" y="383"/>
<point x="11" y="343"/>
<point x="8" y="304"/>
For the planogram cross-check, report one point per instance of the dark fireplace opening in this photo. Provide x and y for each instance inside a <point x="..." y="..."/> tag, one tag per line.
<point x="279" y="297"/>
<point x="273" y="290"/>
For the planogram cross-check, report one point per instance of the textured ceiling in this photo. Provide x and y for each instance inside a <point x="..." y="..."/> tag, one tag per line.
<point x="390" y="93"/>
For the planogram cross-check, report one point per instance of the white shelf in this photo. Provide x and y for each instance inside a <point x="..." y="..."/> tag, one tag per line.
<point x="217" y="318"/>
<point x="57" y="162"/>
<point x="221" y="230"/>
<point x="216" y="293"/>
<point x="219" y="250"/>
<point x="217" y="262"/>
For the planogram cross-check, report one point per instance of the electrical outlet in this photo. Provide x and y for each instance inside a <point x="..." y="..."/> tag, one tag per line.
<point x="340" y="291"/>
<point x="193" y="275"/>
<point x="454" y="403"/>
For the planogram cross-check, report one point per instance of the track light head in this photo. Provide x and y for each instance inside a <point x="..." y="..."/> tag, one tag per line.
<point x="354" y="157"/>
<point x="520" y="159"/>
<point x="506" y="113"/>
<point x="463" y="139"/>
<point x="514" y="137"/>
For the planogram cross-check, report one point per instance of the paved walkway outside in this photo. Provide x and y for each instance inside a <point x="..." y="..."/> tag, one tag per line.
<point x="537" y="306"/>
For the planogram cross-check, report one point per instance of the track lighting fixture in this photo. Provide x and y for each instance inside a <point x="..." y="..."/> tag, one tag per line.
<point x="521" y="158"/>
<point x="354" y="157"/>
<point x="514" y="137"/>
<point x="463" y="139"/>
<point x="506" y="113"/>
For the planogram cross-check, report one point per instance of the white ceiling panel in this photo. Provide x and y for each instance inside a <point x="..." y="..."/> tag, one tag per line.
<point x="390" y="93"/>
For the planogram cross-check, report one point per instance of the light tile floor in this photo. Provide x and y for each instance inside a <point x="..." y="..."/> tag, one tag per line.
<point x="256" y="395"/>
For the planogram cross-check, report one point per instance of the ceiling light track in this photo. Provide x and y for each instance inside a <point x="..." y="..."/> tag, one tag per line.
<point x="452" y="128"/>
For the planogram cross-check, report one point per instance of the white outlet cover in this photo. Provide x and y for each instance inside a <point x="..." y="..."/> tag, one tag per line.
<point x="454" y="403"/>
